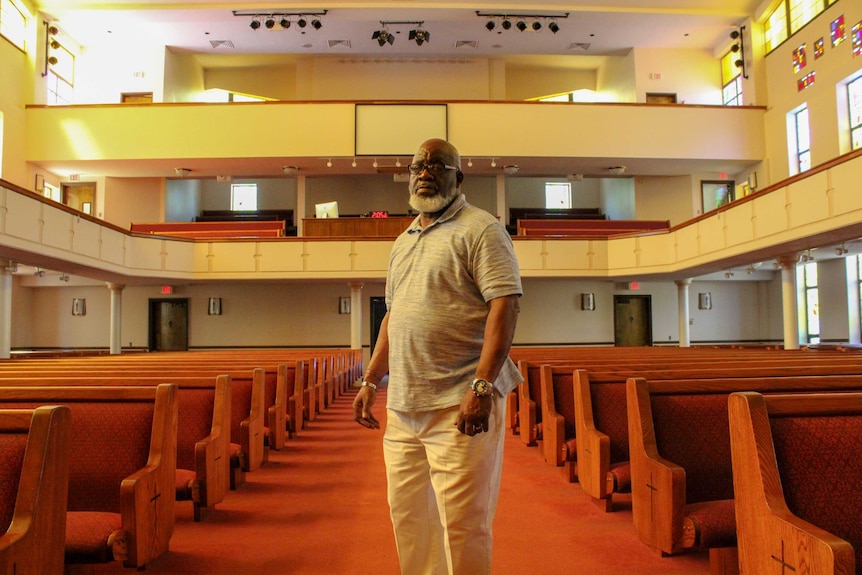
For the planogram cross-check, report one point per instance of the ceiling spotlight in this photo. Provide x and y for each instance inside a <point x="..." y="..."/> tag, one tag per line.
<point x="419" y="35"/>
<point x="329" y="163"/>
<point x="493" y="163"/>
<point x="397" y="162"/>
<point x="316" y="24"/>
<point x="470" y="163"/>
<point x="511" y="169"/>
<point x="301" y="22"/>
<point x="506" y="24"/>
<point x="285" y="23"/>
<point x="353" y="163"/>
<point x="255" y="24"/>
<point x="290" y="170"/>
<point x="374" y="164"/>
<point x="182" y="172"/>
<point x="734" y="35"/>
<point x="537" y="26"/>
<point x="383" y="36"/>
<point x="840" y="251"/>
<point x="521" y="25"/>
<point x="617" y="170"/>
<point x="40" y="273"/>
<point x="490" y="25"/>
<point x="553" y="27"/>
<point x="270" y="23"/>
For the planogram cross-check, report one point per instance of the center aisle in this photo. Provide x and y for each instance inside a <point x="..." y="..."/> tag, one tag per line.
<point x="318" y="507"/>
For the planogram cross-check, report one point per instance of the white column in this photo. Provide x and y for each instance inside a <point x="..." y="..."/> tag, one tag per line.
<point x="355" y="315"/>
<point x="300" y="204"/>
<point x="684" y="314"/>
<point x="502" y="210"/>
<point x="788" y="301"/>
<point x="116" y="317"/>
<point x="6" y="311"/>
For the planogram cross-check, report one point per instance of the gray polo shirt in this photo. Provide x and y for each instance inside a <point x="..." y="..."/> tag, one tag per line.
<point x="438" y="285"/>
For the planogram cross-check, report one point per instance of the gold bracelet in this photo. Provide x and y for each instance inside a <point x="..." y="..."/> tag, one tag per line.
<point x="368" y="384"/>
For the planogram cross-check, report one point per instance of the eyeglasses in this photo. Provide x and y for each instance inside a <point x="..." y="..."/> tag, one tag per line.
<point x="435" y="168"/>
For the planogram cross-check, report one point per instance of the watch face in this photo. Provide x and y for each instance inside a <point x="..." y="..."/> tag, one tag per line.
<point x="481" y="387"/>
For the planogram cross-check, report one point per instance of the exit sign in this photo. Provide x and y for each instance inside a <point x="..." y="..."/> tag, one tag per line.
<point x="634" y="286"/>
<point x="167" y="290"/>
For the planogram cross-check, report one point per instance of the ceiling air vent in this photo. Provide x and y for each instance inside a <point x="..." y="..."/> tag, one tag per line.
<point x="584" y="46"/>
<point x="339" y="43"/>
<point x="224" y="43"/>
<point x="466" y="43"/>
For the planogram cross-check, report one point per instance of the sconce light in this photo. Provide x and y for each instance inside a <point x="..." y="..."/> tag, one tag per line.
<point x="841" y="251"/>
<point x="343" y="305"/>
<point x="290" y="170"/>
<point x="214" y="306"/>
<point x="588" y="302"/>
<point x="617" y="170"/>
<point x="704" y="300"/>
<point x="79" y="306"/>
<point x="182" y="172"/>
<point x="511" y="169"/>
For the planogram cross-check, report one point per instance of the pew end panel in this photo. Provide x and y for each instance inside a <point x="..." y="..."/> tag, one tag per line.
<point x="527" y="408"/>
<point x="32" y="541"/>
<point x="553" y="423"/>
<point x="656" y="482"/>
<point x="769" y="532"/>
<point x="212" y="453"/>
<point x="594" y="447"/>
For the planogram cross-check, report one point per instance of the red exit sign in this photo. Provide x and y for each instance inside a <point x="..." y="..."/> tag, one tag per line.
<point x="167" y="290"/>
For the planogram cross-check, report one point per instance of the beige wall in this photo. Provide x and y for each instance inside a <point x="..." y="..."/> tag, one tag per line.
<point x="690" y="74"/>
<point x="833" y="68"/>
<point x="306" y="314"/>
<point x="133" y="200"/>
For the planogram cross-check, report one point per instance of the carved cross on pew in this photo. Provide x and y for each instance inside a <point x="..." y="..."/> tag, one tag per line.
<point x="652" y="491"/>
<point x="784" y="564"/>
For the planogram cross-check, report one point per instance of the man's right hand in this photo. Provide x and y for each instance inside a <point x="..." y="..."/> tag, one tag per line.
<point x="362" y="404"/>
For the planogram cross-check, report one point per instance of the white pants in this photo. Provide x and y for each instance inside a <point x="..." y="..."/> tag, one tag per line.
<point x="443" y="488"/>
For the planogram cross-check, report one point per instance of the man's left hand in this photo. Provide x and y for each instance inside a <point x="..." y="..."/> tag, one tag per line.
<point x="474" y="413"/>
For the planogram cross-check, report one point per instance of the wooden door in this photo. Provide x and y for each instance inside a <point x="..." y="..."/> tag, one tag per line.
<point x="632" y="320"/>
<point x="169" y="324"/>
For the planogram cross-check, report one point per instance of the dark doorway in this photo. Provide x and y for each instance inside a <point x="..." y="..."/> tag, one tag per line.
<point x="632" y="320"/>
<point x="378" y="310"/>
<point x="169" y="324"/>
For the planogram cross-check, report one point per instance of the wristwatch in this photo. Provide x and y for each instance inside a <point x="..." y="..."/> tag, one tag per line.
<point x="482" y="387"/>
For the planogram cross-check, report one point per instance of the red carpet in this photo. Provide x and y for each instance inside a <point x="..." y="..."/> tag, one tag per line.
<point x="319" y="508"/>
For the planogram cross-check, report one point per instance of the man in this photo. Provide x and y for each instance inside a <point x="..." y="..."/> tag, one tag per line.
<point x="452" y="293"/>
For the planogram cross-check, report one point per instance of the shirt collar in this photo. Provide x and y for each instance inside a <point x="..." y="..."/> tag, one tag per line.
<point x="456" y="206"/>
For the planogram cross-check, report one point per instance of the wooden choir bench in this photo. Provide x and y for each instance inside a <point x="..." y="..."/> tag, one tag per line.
<point x="122" y="455"/>
<point x="589" y="228"/>
<point x="212" y="230"/>
<point x="797" y="477"/>
<point x="34" y="486"/>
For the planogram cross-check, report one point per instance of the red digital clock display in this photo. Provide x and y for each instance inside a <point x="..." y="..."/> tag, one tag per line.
<point x="380" y="214"/>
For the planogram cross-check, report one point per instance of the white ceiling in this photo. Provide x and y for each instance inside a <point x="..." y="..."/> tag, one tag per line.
<point x="604" y="27"/>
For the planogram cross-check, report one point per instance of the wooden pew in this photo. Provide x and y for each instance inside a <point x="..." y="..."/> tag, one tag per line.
<point x="679" y="439"/>
<point x="796" y="475"/>
<point x="212" y="230"/>
<point x="589" y="228"/>
<point x="122" y="455"/>
<point x="34" y="487"/>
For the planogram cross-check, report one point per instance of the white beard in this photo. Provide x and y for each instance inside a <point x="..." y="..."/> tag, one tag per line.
<point x="433" y="204"/>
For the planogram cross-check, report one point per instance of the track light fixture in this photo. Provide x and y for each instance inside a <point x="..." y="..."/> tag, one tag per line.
<point x="282" y="20"/>
<point x="522" y="19"/>
<point x="383" y="36"/>
<point x="417" y="34"/>
<point x="739" y="48"/>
